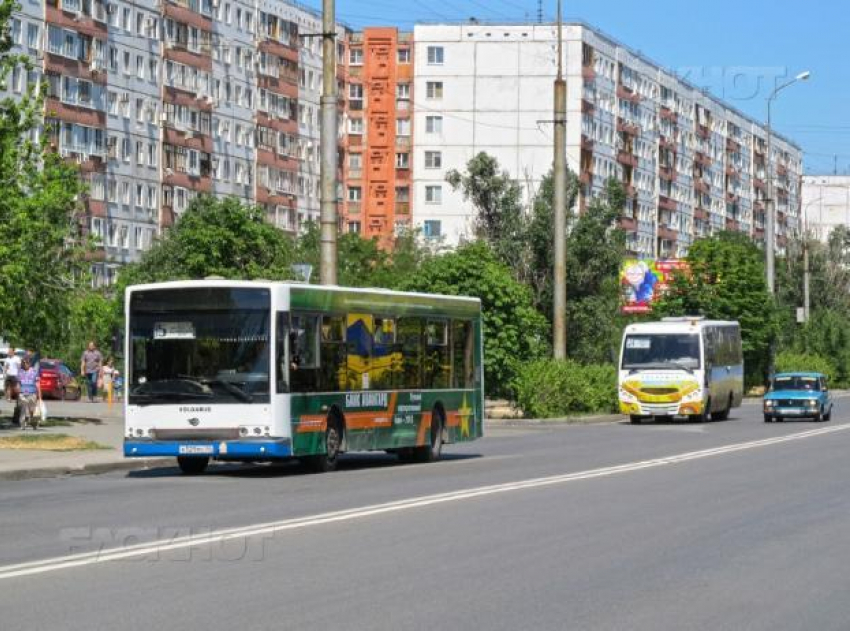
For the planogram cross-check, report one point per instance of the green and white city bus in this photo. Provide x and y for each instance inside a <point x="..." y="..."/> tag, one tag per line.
<point x="262" y="371"/>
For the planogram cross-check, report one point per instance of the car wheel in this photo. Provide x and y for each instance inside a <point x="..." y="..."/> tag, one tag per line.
<point x="768" y="418"/>
<point x="817" y="417"/>
<point x="778" y="419"/>
<point x="828" y="415"/>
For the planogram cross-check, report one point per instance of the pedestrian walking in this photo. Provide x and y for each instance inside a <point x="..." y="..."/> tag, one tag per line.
<point x="91" y="364"/>
<point x="11" y="368"/>
<point x="108" y="374"/>
<point x="30" y="397"/>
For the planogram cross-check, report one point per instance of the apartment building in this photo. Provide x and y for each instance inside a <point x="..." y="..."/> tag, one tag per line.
<point x="379" y="133"/>
<point x="160" y="101"/>
<point x="691" y="164"/>
<point x="826" y="204"/>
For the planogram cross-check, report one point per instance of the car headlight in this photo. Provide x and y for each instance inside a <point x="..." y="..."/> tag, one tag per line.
<point x="813" y="403"/>
<point x="769" y="403"/>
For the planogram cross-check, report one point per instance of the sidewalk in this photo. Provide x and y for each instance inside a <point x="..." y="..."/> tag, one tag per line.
<point x="103" y="424"/>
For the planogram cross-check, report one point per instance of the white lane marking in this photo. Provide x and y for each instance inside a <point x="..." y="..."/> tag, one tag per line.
<point x="271" y="528"/>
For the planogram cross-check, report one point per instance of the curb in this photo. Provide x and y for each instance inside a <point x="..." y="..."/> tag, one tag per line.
<point x="89" y="469"/>
<point x="544" y="423"/>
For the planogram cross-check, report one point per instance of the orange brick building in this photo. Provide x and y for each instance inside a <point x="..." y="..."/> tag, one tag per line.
<point x="378" y="163"/>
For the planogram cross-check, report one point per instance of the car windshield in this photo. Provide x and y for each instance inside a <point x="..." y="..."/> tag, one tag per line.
<point x="661" y="351"/>
<point x="205" y="344"/>
<point x="796" y="383"/>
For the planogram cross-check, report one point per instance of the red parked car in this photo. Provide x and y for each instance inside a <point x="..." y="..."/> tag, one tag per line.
<point x="57" y="381"/>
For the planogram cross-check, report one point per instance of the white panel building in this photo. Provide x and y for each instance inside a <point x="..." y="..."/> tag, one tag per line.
<point x="826" y="203"/>
<point x="691" y="164"/>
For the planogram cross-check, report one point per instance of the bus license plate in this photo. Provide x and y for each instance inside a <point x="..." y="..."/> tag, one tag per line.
<point x="195" y="449"/>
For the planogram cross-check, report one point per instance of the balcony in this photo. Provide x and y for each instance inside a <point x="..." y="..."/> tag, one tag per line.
<point x="629" y="224"/>
<point x="758" y="234"/>
<point x="667" y="114"/>
<point x="701" y="186"/>
<point x="731" y="198"/>
<point x="585" y="177"/>
<point x="587" y="107"/>
<point x="402" y="208"/>
<point x="733" y="224"/>
<point x="586" y="143"/>
<point x="732" y="146"/>
<point x="781" y="170"/>
<point x="702" y="159"/>
<point x="667" y="203"/>
<point x="703" y="131"/>
<point x="627" y="128"/>
<point x="667" y="234"/>
<point x="354" y="208"/>
<point x="627" y="159"/>
<point x="759" y="184"/>
<point x="667" y="173"/>
<point x="667" y="143"/>
<point x="701" y="214"/>
<point x="731" y="170"/>
<point x="627" y="94"/>
<point x="588" y="73"/>
<point x="630" y="190"/>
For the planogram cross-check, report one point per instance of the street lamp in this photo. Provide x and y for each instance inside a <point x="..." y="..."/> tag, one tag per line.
<point x="770" y="227"/>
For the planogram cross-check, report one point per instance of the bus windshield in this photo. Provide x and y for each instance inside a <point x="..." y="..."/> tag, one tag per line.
<point x="199" y="345"/>
<point x="661" y="351"/>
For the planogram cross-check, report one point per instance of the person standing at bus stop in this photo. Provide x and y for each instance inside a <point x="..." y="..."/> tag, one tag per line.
<point x="91" y="364"/>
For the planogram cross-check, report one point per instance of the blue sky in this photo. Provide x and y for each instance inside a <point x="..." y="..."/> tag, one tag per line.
<point x="736" y="48"/>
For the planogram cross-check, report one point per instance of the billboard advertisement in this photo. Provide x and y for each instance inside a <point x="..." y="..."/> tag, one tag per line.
<point x="643" y="281"/>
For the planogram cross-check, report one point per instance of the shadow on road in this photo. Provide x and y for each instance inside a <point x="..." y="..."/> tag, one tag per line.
<point x="287" y="468"/>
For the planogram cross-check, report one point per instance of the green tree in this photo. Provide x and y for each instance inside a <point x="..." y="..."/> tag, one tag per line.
<point x="41" y="250"/>
<point x="362" y="262"/>
<point x="514" y="332"/>
<point x="727" y="282"/>
<point x="221" y="237"/>
<point x="499" y="215"/>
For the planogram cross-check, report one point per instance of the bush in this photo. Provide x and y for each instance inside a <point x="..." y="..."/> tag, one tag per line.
<point x="550" y="388"/>
<point x="804" y="362"/>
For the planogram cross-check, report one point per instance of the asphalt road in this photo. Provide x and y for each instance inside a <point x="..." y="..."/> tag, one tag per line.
<point x="728" y="525"/>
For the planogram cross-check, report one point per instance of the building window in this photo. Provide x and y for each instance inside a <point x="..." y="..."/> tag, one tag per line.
<point x="402" y="161"/>
<point x="402" y="127"/>
<point x="355" y="161"/>
<point x="355" y="96"/>
<point x="355" y="125"/>
<point x="354" y="226"/>
<point x="433" y="160"/>
<point x="433" y="124"/>
<point x="403" y="55"/>
<point x="355" y="56"/>
<point x="434" y="90"/>
<point x="435" y="55"/>
<point x="432" y="229"/>
<point x="354" y="193"/>
<point x="434" y="194"/>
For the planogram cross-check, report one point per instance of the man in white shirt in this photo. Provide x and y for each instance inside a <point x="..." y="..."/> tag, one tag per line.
<point x="11" y="370"/>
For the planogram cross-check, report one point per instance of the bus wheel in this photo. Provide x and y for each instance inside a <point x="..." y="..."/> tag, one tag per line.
<point x="333" y="443"/>
<point x="634" y="419"/>
<point x="431" y="452"/>
<point x="192" y="465"/>
<point x="723" y="415"/>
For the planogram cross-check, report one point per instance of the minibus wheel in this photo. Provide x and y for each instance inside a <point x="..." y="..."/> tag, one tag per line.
<point x="192" y="465"/>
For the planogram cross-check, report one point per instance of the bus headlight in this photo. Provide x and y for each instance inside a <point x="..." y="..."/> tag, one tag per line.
<point x="627" y="396"/>
<point x="696" y="395"/>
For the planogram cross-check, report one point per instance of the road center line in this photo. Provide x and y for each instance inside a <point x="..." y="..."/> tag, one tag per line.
<point x="271" y="528"/>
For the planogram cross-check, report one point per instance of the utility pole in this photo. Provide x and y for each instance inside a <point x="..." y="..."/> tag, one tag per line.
<point x="806" y="295"/>
<point x="328" y="216"/>
<point x="559" y="317"/>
